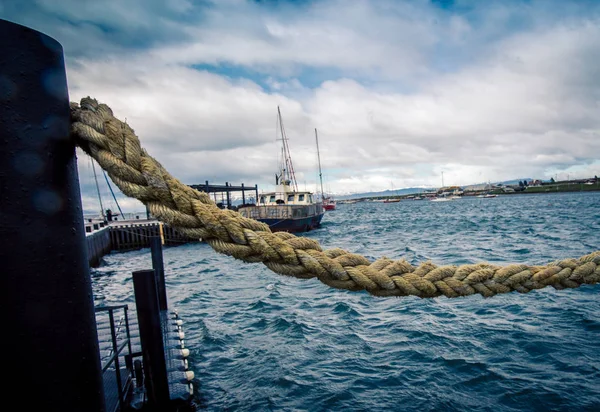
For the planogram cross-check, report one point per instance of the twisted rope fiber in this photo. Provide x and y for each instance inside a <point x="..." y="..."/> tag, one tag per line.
<point x="114" y="145"/>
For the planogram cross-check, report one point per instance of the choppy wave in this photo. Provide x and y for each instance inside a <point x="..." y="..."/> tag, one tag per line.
<point x="260" y="341"/>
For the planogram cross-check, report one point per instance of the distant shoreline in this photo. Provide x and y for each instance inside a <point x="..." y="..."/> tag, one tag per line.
<point x="530" y="190"/>
<point x="525" y="192"/>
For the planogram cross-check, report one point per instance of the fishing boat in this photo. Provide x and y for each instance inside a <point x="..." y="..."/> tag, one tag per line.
<point x="287" y="209"/>
<point x="328" y="201"/>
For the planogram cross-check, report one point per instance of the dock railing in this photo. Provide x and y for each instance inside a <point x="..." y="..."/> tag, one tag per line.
<point x="113" y="373"/>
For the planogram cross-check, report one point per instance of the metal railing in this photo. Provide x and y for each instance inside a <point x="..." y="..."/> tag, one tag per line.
<point x="118" y="343"/>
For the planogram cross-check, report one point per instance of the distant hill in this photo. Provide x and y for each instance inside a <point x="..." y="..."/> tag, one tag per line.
<point x="399" y="192"/>
<point x="416" y="190"/>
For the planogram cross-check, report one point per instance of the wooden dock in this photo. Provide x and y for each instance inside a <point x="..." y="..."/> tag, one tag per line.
<point x="105" y="237"/>
<point x="119" y="336"/>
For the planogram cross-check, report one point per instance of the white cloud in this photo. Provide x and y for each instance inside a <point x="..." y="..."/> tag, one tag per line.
<point x="399" y="91"/>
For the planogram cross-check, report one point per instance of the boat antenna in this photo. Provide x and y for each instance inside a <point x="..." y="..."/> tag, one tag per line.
<point x="287" y="166"/>
<point x="97" y="188"/>
<point x="319" y="158"/>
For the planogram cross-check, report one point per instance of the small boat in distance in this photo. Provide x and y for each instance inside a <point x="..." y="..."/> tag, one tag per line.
<point x="286" y="209"/>
<point x="328" y="201"/>
<point x="391" y="199"/>
<point x="442" y="198"/>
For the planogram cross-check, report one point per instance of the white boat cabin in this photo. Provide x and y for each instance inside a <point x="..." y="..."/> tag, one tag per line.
<point x="283" y="195"/>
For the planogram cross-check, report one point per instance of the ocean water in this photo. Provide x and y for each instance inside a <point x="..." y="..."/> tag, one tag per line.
<point x="264" y="342"/>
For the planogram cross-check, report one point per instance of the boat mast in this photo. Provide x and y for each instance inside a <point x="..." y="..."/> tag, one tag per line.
<point x="97" y="188"/>
<point x="319" y="157"/>
<point x="287" y="172"/>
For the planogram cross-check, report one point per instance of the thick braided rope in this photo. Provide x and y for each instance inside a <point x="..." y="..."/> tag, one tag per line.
<point x="114" y="145"/>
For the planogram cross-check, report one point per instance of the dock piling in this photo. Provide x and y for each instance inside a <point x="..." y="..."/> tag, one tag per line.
<point x="151" y="339"/>
<point x="159" y="270"/>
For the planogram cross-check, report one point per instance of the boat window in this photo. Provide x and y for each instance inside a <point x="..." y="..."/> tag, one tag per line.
<point x="301" y="198"/>
<point x="272" y="198"/>
<point x="310" y="200"/>
<point x="290" y="198"/>
<point x="262" y="199"/>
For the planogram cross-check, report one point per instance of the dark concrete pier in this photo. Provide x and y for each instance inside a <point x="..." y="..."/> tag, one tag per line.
<point x="60" y="352"/>
<point x="45" y="284"/>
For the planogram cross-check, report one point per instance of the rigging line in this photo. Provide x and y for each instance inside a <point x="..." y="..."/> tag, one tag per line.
<point x="97" y="188"/>
<point x="113" y="194"/>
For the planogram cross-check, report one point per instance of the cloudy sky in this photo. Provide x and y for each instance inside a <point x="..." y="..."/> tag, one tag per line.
<point x="399" y="91"/>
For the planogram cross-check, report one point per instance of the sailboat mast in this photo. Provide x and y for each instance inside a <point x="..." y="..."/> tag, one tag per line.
<point x="98" y="189"/>
<point x="319" y="158"/>
<point x="288" y="167"/>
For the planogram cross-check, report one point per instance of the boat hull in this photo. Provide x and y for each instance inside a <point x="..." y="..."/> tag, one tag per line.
<point x="286" y="218"/>
<point x="294" y="225"/>
<point x="329" y="207"/>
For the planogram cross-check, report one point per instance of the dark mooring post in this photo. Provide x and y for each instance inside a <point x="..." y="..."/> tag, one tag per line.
<point x="151" y="339"/>
<point x="228" y="197"/>
<point x="45" y="286"/>
<point x="159" y="271"/>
